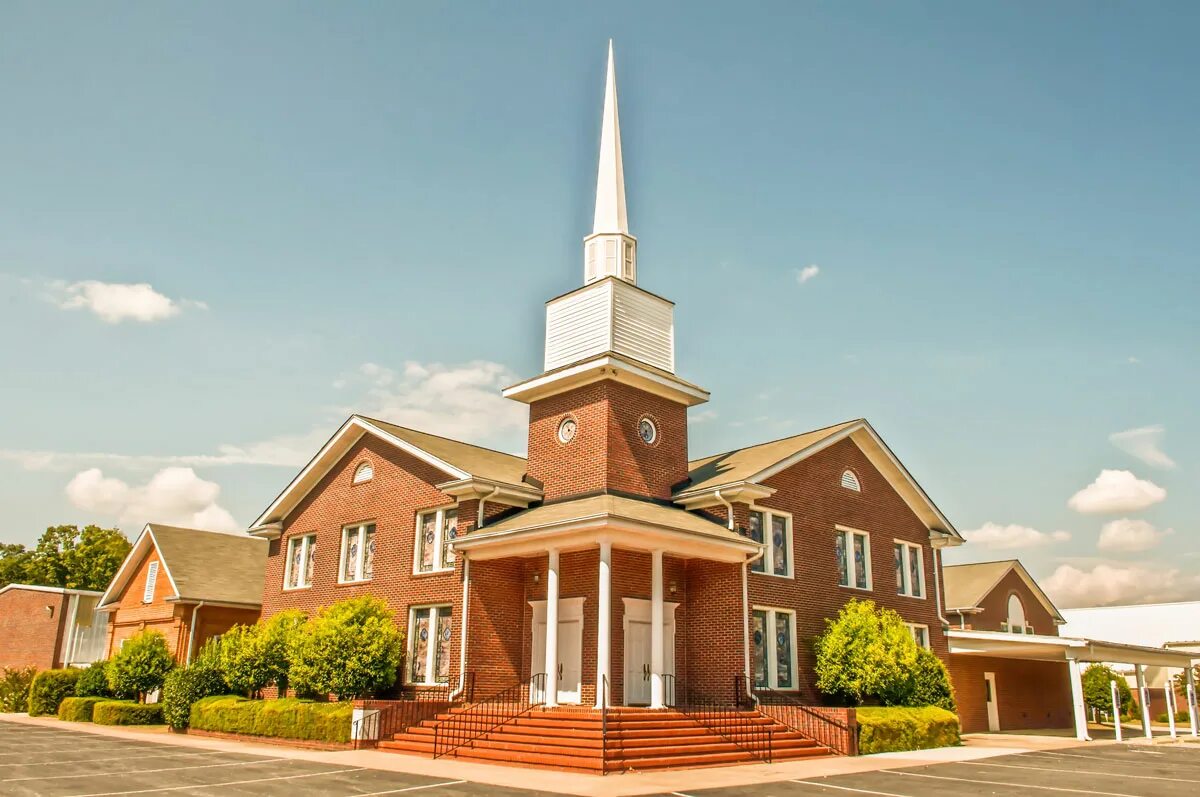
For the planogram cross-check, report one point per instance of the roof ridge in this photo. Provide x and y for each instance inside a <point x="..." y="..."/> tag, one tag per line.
<point x="441" y="437"/>
<point x="780" y="439"/>
<point x="236" y="534"/>
<point x="988" y="562"/>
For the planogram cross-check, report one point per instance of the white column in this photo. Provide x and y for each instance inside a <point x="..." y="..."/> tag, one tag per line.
<point x="1081" y="728"/>
<point x="1116" y="704"/>
<point x="1143" y="699"/>
<point x="552" y="630"/>
<point x="656" y="631"/>
<point x="1191" y="699"/>
<point x="604" y="627"/>
<point x="1169" y="694"/>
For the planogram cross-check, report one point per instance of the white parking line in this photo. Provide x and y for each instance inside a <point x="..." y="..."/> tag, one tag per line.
<point x="1010" y="785"/>
<point x="146" y="771"/>
<point x="215" y="785"/>
<point x="1077" y="772"/>
<point x="114" y="758"/>
<point x="412" y="788"/>
<point x="847" y="788"/>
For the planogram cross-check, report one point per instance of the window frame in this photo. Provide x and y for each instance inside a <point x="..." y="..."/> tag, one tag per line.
<point x="307" y="541"/>
<point x="440" y="541"/>
<point x="432" y="610"/>
<point x="767" y="560"/>
<point x="906" y="564"/>
<point x="360" y="564"/>
<point x="912" y="628"/>
<point x="773" y="655"/>
<point x="848" y="534"/>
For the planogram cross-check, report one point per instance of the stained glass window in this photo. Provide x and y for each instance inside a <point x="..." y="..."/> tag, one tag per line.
<point x="427" y="542"/>
<point x="783" y="651"/>
<point x="429" y="635"/>
<point x="358" y="552"/>
<point x="435" y="529"/>
<point x="779" y="545"/>
<point x="758" y="631"/>
<point x="350" y="555"/>
<point x="369" y="553"/>
<point x="843" y="569"/>
<point x="450" y="531"/>
<point x="441" y="664"/>
<point x="854" y="559"/>
<point x="418" y="654"/>
<point x="860" y="561"/>
<point x="910" y="569"/>
<point x="756" y="534"/>
<point x="901" y="581"/>
<point x="302" y="552"/>
<point x="920" y="634"/>
<point x="297" y="568"/>
<point x="914" y="570"/>
<point x="773" y="651"/>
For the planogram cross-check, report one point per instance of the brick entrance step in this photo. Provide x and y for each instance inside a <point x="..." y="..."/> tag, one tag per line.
<point x="637" y="739"/>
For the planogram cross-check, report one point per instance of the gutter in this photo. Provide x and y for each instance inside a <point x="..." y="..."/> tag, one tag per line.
<point x="937" y="578"/>
<point x="192" y="633"/>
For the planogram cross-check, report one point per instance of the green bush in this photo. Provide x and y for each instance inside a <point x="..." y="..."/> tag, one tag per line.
<point x="286" y="718"/>
<point x="184" y="686"/>
<point x="78" y="709"/>
<point x="895" y="729"/>
<point x="14" y="688"/>
<point x="931" y="683"/>
<point x="48" y="690"/>
<point x="350" y="648"/>
<point x="93" y="681"/>
<point x="277" y="643"/>
<point x="1097" y="689"/>
<point x="141" y="665"/>
<point x="126" y="712"/>
<point x="1180" y="716"/>
<point x="242" y="660"/>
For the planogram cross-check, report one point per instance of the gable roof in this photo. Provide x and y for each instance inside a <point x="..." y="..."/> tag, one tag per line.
<point x="966" y="586"/>
<point x="754" y="464"/>
<point x="201" y="565"/>
<point x="456" y="459"/>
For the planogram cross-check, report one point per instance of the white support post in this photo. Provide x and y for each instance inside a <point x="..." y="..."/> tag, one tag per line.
<point x="1081" y="724"/>
<point x="552" y="630"/>
<point x="1116" y="704"/>
<point x="656" y="631"/>
<point x="1169" y="693"/>
<point x="1191" y="699"/>
<point x="1144" y="699"/>
<point x="604" y="626"/>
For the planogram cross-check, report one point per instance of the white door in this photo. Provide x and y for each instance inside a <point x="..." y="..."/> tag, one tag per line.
<point x="569" y="673"/>
<point x="993" y="704"/>
<point x="637" y="651"/>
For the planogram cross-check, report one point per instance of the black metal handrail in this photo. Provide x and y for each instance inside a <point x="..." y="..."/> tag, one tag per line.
<point x="811" y="722"/>
<point x="479" y="719"/>
<point x="383" y="719"/>
<point x="734" y="720"/>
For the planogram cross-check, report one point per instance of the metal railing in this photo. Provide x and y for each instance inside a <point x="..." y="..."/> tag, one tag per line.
<point x="479" y="719"/>
<point x="383" y="719"/>
<point x="821" y="725"/>
<point x="731" y="718"/>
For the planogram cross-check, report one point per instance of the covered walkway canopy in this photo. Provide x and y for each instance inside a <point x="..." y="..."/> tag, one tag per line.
<point x="1073" y="651"/>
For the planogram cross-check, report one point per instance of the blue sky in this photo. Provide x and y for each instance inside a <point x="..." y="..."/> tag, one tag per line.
<point x="363" y="207"/>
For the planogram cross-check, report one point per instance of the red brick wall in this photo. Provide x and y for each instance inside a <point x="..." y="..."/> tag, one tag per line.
<point x="133" y="616"/>
<point x="995" y="608"/>
<point x="29" y="637"/>
<point x="1031" y="694"/>
<point x="607" y="453"/>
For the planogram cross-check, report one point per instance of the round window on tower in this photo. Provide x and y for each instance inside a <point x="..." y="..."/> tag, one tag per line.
<point x="567" y="429"/>
<point x="647" y="431"/>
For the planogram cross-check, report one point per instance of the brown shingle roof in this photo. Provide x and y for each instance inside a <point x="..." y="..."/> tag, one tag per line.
<point x="478" y="461"/>
<point x="967" y="585"/>
<point x="212" y="566"/>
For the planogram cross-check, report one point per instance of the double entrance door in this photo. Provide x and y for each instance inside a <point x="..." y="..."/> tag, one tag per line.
<point x="638" y="655"/>
<point x="567" y="677"/>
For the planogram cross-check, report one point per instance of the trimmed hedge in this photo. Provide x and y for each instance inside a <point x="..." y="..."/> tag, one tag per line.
<point x="126" y="712"/>
<point x="286" y="718"/>
<point x="184" y="686"/>
<point x="894" y="729"/>
<point x="78" y="709"/>
<point x="48" y="690"/>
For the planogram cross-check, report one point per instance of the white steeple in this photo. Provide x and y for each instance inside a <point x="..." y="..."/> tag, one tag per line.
<point x="610" y="251"/>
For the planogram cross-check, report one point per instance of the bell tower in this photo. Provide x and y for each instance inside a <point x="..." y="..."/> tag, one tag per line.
<point x="609" y="414"/>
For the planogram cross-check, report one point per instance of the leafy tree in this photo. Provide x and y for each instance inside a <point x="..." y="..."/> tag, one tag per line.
<point x="66" y="556"/>
<point x="140" y="665"/>
<point x="350" y="648"/>
<point x="931" y="683"/>
<point x="866" y="655"/>
<point x="242" y="661"/>
<point x="1097" y="689"/>
<point x="96" y="558"/>
<point x="15" y="563"/>
<point x="93" y="681"/>
<point x="185" y="685"/>
<point x="277" y="643"/>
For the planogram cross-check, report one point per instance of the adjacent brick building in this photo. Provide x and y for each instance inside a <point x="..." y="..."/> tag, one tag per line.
<point x="48" y="627"/>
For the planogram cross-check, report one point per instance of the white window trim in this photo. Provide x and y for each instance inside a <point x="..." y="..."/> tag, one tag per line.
<point x="438" y="544"/>
<point x="431" y="653"/>
<point x="361" y="530"/>
<point x="768" y="557"/>
<point x="928" y="642"/>
<point x="307" y="541"/>
<point x="847" y="532"/>
<point x="909" y="547"/>
<point x="772" y="654"/>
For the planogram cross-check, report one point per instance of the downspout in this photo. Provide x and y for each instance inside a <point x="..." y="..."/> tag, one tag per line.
<point x="745" y="599"/>
<point x="192" y="632"/>
<point x="466" y="597"/>
<point x="937" y="581"/>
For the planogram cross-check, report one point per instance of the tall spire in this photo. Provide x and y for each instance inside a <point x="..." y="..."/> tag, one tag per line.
<point x="610" y="180"/>
<point x="610" y="251"/>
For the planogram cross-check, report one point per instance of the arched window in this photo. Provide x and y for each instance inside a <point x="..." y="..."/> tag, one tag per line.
<point x="363" y="473"/>
<point x="850" y="481"/>
<point x="1016" y="615"/>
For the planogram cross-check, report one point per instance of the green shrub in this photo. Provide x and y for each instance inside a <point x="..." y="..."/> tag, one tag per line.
<point x="277" y="642"/>
<point x="894" y="729"/>
<point x="930" y="683"/>
<point x="14" y="688"/>
<point x="242" y="660"/>
<point x="78" y="709"/>
<point x="350" y="648"/>
<point x="126" y="712"/>
<point x="1180" y="716"/>
<point x="48" y="690"/>
<point x="286" y="718"/>
<point x="93" y="681"/>
<point x="140" y="665"/>
<point x="866" y="655"/>
<point x="1097" y="689"/>
<point x="184" y="686"/>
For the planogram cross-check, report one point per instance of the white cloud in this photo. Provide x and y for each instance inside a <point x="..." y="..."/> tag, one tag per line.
<point x="173" y="496"/>
<point x="1130" y="536"/>
<point x="998" y="537"/>
<point x="1107" y="585"/>
<point x="1145" y="443"/>
<point x="803" y="275"/>
<point x="1116" y="491"/>
<point x="702" y="416"/>
<point x="114" y="302"/>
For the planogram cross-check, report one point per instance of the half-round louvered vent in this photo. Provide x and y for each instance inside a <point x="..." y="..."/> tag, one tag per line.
<point x="364" y="473"/>
<point x="850" y="481"/>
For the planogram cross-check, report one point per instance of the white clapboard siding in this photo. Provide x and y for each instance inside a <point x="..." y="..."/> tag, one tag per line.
<point x="610" y="315"/>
